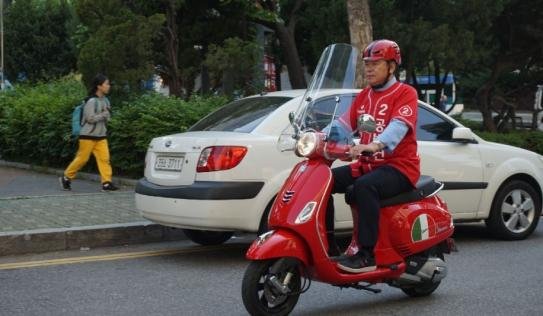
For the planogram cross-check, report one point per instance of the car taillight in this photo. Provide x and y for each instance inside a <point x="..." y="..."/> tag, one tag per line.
<point x="217" y="158"/>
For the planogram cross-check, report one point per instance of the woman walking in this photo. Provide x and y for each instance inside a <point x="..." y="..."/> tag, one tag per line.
<point x="93" y="136"/>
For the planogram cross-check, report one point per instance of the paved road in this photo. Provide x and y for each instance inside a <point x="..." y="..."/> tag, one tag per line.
<point x="487" y="277"/>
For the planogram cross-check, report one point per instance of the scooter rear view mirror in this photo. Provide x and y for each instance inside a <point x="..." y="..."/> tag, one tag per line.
<point x="366" y="123"/>
<point x="292" y="121"/>
<point x="291" y="117"/>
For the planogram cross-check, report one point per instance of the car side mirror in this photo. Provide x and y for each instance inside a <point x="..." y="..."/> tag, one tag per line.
<point x="463" y="135"/>
<point x="366" y="123"/>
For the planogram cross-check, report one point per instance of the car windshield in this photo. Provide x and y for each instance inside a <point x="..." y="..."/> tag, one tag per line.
<point x="239" y="116"/>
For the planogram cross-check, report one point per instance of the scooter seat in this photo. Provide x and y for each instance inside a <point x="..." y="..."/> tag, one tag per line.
<point x="426" y="186"/>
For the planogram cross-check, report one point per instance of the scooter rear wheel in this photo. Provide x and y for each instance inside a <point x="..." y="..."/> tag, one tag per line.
<point x="421" y="290"/>
<point x="261" y="297"/>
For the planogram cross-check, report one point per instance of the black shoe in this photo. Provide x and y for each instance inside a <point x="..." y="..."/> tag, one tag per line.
<point x="358" y="263"/>
<point x="65" y="183"/>
<point x="108" y="187"/>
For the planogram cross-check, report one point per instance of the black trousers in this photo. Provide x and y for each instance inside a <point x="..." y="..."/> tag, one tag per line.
<point x="381" y="183"/>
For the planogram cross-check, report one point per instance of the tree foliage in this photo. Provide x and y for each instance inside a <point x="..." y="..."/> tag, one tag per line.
<point x="119" y="42"/>
<point x="322" y="23"/>
<point x="282" y="17"/>
<point x="515" y="43"/>
<point x="236" y="65"/>
<point x="37" y="42"/>
<point x="184" y="40"/>
<point x="436" y="37"/>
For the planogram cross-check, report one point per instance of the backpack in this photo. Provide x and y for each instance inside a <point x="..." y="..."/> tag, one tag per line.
<point x="77" y="117"/>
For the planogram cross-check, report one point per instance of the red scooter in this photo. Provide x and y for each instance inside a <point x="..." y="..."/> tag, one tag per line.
<point x="414" y="227"/>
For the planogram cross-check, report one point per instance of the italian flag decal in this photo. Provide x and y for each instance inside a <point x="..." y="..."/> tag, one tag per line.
<point x="423" y="228"/>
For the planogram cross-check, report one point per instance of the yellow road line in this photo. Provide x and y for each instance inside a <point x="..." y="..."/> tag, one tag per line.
<point x="119" y="256"/>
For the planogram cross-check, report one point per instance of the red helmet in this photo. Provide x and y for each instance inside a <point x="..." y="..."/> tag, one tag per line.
<point x="383" y="49"/>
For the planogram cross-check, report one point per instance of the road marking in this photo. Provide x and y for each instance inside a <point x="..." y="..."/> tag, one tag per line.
<point x="119" y="256"/>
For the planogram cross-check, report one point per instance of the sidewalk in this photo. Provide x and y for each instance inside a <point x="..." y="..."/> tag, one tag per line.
<point x="37" y="216"/>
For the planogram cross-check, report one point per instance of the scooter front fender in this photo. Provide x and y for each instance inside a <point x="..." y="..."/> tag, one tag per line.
<point x="279" y="244"/>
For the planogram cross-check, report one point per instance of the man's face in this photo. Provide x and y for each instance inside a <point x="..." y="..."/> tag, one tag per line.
<point x="376" y="71"/>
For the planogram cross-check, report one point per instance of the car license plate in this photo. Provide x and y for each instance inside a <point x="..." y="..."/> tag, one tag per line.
<point x="169" y="163"/>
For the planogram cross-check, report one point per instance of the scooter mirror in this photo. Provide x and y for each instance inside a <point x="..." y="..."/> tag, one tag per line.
<point x="291" y="117"/>
<point x="366" y="123"/>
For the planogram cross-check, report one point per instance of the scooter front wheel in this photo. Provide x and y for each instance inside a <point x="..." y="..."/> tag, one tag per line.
<point x="271" y="287"/>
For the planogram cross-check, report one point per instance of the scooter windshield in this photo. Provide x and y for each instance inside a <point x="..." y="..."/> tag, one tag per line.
<point x="319" y="109"/>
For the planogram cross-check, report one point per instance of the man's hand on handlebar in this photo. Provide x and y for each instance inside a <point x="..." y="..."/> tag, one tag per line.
<point x="365" y="150"/>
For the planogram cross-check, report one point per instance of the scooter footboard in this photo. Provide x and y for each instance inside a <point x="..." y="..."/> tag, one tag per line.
<point x="278" y="244"/>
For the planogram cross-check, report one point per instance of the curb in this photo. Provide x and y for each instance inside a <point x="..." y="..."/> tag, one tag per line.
<point x="46" y="240"/>
<point x="59" y="172"/>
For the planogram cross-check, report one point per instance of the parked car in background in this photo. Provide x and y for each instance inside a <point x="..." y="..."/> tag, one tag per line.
<point x="222" y="175"/>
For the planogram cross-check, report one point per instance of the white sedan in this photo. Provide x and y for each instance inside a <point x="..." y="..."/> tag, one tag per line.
<point x="223" y="174"/>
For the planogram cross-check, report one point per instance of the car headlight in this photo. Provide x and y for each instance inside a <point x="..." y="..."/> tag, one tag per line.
<point x="306" y="145"/>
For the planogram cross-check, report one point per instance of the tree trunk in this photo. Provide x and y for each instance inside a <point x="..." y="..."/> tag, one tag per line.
<point x="361" y="31"/>
<point x="410" y="71"/>
<point x="205" y="80"/>
<point x="483" y="96"/>
<point x="292" y="58"/>
<point x="172" y="46"/>
<point x="284" y="31"/>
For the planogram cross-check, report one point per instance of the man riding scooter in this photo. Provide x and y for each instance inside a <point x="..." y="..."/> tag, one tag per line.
<point x="414" y="227"/>
<point x="387" y="160"/>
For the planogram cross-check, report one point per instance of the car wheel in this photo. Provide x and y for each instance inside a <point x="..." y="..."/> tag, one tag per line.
<point x="207" y="237"/>
<point x="515" y="211"/>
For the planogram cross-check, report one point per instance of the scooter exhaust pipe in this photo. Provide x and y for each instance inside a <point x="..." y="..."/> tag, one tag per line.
<point x="433" y="270"/>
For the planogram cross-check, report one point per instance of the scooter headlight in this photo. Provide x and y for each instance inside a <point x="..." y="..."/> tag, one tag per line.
<point x="306" y="213"/>
<point x="306" y="145"/>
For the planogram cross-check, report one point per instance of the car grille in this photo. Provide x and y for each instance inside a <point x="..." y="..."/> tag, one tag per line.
<point x="287" y="196"/>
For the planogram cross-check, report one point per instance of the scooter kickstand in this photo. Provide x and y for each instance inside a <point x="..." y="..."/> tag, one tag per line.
<point x="366" y="288"/>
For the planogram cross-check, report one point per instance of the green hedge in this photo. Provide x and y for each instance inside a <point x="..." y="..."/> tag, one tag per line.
<point x="527" y="139"/>
<point x="134" y="125"/>
<point x="35" y="124"/>
<point x="531" y="140"/>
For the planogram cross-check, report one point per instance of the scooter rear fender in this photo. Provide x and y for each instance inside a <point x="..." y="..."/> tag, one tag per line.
<point x="279" y="244"/>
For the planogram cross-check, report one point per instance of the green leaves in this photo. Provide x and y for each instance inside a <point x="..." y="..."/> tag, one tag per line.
<point x="119" y="43"/>
<point x="37" y="43"/>
<point x="35" y="124"/>
<point x="134" y="125"/>
<point x="35" y="121"/>
<point x="237" y="61"/>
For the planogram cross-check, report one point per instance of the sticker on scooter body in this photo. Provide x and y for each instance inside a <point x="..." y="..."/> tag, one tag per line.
<point x="423" y="228"/>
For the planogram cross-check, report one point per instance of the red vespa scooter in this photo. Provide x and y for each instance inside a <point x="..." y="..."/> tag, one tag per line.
<point x="414" y="227"/>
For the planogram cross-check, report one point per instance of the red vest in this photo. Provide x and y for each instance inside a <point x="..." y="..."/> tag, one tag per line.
<point x="399" y="102"/>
